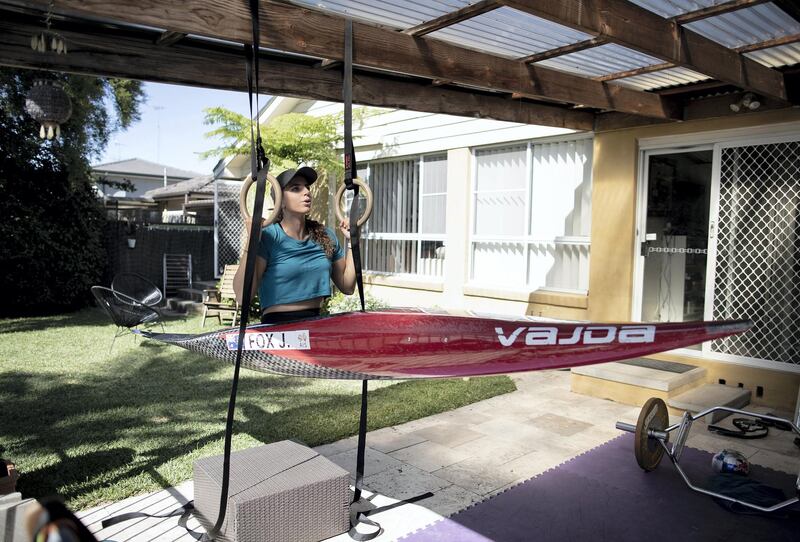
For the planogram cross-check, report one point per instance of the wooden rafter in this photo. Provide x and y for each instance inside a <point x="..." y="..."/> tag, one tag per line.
<point x="454" y="17"/>
<point x="717" y="9"/>
<point x="629" y="25"/>
<point x="294" y="29"/>
<point x="187" y="63"/>
<point x="169" y="38"/>
<point x="776" y="42"/>
<point x="636" y="71"/>
<point x="565" y="50"/>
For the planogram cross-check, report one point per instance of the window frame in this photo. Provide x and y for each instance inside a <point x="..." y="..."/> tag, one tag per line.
<point x="527" y="240"/>
<point x="417" y="237"/>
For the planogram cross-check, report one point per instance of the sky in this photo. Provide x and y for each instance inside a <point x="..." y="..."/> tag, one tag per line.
<point x="171" y="129"/>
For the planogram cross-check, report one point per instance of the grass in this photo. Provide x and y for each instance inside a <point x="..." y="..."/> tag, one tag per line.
<point x="96" y="427"/>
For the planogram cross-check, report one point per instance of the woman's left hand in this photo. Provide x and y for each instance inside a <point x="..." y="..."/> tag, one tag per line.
<point x="344" y="227"/>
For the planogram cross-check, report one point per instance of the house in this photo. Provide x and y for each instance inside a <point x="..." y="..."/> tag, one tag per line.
<point x="142" y="174"/>
<point x="190" y="201"/>
<point x="694" y="220"/>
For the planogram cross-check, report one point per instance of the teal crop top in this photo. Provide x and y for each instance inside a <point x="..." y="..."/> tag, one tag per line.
<point x="296" y="270"/>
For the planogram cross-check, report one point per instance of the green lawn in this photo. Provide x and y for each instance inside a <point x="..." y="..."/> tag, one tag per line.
<point x="97" y="427"/>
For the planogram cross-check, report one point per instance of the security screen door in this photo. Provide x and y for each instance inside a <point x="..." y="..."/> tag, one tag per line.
<point x="720" y="238"/>
<point x="675" y="249"/>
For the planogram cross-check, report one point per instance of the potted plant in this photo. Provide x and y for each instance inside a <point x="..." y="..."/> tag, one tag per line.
<point x="130" y="231"/>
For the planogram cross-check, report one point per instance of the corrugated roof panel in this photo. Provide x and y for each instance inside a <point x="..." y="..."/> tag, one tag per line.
<point x="509" y="33"/>
<point x="784" y="55"/>
<point x="513" y="34"/>
<point x="746" y="26"/>
<point x="662" y="79"/>
<point x="399" y="14"/>
<point x="671" y="8"/>
<point x="602" y="60"/>
<point x="737" y="28"/>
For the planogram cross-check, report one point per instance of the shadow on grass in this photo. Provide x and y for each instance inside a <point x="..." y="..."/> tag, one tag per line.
<point x="80" y="434"/>
<point x="88" y="317"/>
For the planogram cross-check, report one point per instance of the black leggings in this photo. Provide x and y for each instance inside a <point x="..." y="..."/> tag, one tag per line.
<point x="288" y="316"/>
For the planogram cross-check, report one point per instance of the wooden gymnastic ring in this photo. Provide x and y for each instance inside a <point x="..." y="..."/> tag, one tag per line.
<point x="277" y="196"/>
<point x="648" y="450"/>
<point x="362" y="186"/>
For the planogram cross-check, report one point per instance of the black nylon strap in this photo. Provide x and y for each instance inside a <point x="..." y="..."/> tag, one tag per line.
<point x="362" y="442"/>
<point x="259" y="168"/>
<point x="350" y="166"/>
<point x="184" y="510"/>
<point x="355" y="244"/>
<point x="358" y="507"/>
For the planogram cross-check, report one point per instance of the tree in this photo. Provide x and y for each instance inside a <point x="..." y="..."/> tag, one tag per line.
<point x="289" y="140"/>
<point x="52" y="229"/>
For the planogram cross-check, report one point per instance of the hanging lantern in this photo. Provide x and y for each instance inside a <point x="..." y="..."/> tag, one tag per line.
<point x="49" y="41"/>
<point x="48" y="104"/>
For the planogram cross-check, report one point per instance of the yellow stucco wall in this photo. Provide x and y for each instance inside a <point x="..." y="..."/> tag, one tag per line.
<point x="611" y="281"/>
<point x="614" y="178"/>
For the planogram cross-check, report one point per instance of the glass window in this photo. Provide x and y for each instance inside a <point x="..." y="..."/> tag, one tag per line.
<point x="532" y="216"/>
<point x="406" y="232"/>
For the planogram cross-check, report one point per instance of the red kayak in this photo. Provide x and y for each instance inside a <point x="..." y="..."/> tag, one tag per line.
<point x="419" y="344"/>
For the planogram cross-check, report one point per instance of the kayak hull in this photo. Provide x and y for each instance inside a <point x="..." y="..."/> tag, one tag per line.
<point x="404" y="344"/>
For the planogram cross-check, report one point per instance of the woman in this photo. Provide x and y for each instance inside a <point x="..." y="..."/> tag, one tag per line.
<point x="297" y="257"/>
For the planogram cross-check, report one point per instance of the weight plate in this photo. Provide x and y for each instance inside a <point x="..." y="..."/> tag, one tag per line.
<point x="648" y="450"/>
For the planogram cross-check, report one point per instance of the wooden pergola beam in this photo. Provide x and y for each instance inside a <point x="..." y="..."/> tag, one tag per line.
<point x="629" y="25"/>
<point x="565" y="50"/>
<point x="776" y="42"/>
<point x="713" y="11"/>
<point x="169" y="38"/>
<point x="187" y="63"/>
<point x="294" y="29"/>
<point x="454" y="17"/>
<point x="636" y="71"/>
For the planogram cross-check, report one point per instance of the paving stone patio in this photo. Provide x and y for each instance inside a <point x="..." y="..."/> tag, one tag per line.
<point x="463" y="457"/>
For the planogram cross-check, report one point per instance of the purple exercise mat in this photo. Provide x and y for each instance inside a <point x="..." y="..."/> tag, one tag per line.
<point x="604" y="495"/>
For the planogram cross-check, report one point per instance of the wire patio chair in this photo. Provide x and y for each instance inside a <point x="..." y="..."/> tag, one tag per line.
<point x="138" y="287"/>
<point x="125" y="311"/>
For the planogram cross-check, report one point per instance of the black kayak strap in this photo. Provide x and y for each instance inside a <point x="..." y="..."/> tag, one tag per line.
<point x="184" y="512"/>
<point x="350" y="166"/>
<point x="259" y="168"/>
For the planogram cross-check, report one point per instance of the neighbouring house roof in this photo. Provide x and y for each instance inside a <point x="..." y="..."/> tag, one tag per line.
<point x="202" y="185"/>
<point x="130" y="202"/>
<point x="143" y="168"/>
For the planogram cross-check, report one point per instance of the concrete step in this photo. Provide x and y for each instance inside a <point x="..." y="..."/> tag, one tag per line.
<point x="205" y="284"/>
<point x="634" y="381"/>
<point x="710" y="395"/>
<point x="184" y="306"/>
<point x="191" y="293"/>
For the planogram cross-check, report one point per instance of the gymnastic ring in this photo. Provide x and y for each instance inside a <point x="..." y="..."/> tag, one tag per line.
<point x="277" y="196"/>
<point x="367" y="194"/>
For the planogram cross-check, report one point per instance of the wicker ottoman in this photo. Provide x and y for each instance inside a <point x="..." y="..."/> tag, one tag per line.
<point x="278" y="492"/>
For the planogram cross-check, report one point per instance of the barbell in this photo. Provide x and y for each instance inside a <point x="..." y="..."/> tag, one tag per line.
<point x="652" y="441"/>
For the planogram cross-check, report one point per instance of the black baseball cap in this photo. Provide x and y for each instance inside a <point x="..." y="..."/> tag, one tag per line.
<point x="305" y="172"/>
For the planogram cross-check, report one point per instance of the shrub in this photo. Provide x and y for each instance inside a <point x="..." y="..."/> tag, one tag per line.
<point x="52" y="250"/>
<point x="339" y="302"/>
